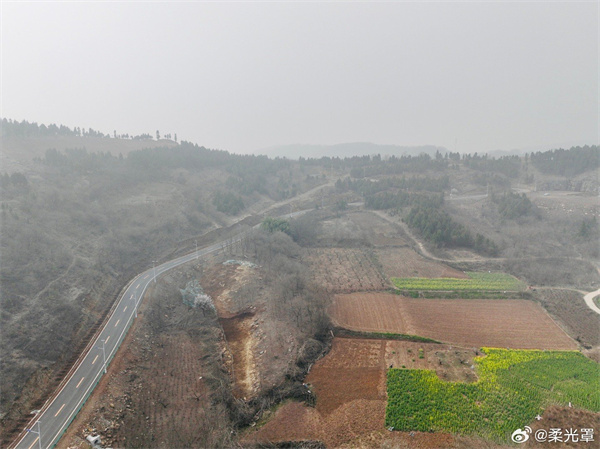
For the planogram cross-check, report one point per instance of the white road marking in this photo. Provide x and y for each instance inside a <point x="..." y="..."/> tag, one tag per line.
<point x="125" y="309"/>
<point x="34" y="441"/>
<point x="79" y="383"/>
<point x="146" y="277"/>
<point x="60" y="410"/>
<point x="92" y="385"/>
<point x="107" y="338"/>
<point x="116" y="324"/>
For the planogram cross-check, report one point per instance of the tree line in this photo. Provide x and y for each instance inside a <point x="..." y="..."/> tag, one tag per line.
<point x="436" y="226"/>
<point x="14" y="128"/>
<point x="567" y="163"/>
<point x="512" y="205"/>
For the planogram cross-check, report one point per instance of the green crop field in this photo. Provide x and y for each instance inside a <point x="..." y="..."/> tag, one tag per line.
<point x="476" y="281"/>
<point x="513" y="387"/>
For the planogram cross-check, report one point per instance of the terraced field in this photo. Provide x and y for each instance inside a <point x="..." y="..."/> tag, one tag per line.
<point x="350" y="385"/>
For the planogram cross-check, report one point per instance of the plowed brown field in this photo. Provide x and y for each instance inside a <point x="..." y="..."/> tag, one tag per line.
<point x="405" y="262"/>
<point x="511" y="323"/>
<point x="345" y="270"/>
<point x="351" y="395"/>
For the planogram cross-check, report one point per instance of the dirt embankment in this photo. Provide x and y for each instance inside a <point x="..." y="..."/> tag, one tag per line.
<point x="241" y="347"/>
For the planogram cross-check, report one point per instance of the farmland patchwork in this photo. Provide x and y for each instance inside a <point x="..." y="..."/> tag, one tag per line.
<point x="513" y="387"/>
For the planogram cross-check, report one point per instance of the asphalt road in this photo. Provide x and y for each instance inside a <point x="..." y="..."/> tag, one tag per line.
<point x="56" y="416"/>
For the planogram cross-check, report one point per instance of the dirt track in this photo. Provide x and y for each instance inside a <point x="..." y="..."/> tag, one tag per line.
<point x="589" y="300"/>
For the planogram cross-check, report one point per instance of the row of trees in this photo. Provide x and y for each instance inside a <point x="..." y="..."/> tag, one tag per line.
<point x="14" y="128"/>
<point x="15" y="180"/>
<point x="388" y="200"/>
<point x="413" y="183"/>
<point x="509" y="166"/>
<point x="567" y="162"/>
<point x="398" y="165"/>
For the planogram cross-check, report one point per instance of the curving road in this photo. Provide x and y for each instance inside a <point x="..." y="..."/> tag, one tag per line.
<point x="54" y="418"/>
<point x="589" y="300"/>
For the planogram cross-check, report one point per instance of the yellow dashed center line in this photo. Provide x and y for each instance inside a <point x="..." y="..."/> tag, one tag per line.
<point x="34" y="441"/>
<point x="95" y="358"/>
<point x="59" y="410"/>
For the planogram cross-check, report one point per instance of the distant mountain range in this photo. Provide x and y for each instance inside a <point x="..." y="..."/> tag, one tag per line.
<point x="347" y="150"/>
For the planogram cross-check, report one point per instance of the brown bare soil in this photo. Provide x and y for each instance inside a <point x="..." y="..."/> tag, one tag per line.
<point x="351" y="394"/>
<point x="570" y="308"/>
<point x="155" y="392"/>
<point x="240" y="344"/>
<point x="379" y="231"/>
<point x="565" y="418"/>
<point x="220" y="283"/>
<point x="345" y="270"/>
<point x="405" y="262"/>
<point x="358" y="228"/>
<point x="518" y="324"/>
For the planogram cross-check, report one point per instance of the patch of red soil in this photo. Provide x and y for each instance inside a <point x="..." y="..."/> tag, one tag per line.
<point x="350" y="385"/>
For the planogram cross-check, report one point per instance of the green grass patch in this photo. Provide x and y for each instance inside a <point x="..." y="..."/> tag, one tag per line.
<point x="475" y="282"/>
<point x="513" y="387"/>
<point x="464" y="294"/>
<point x="341" y="332"/>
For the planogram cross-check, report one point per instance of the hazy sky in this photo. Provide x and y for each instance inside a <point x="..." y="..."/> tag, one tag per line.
<point x="245" y="76"/>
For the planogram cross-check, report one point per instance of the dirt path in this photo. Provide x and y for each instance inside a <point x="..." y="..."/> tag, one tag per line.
<point x="589" y="300"/>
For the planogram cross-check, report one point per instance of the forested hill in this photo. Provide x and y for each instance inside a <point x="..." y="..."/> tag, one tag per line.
<point x="14" y="128"/>
<point x="567" y="163"/>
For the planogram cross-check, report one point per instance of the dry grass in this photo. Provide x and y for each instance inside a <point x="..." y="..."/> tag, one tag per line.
<point x="405" y="262"/>
<point x="341" y="270"/>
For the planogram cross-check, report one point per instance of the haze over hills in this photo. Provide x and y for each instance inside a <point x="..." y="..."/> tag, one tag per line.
<point x="350" y="149"/>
